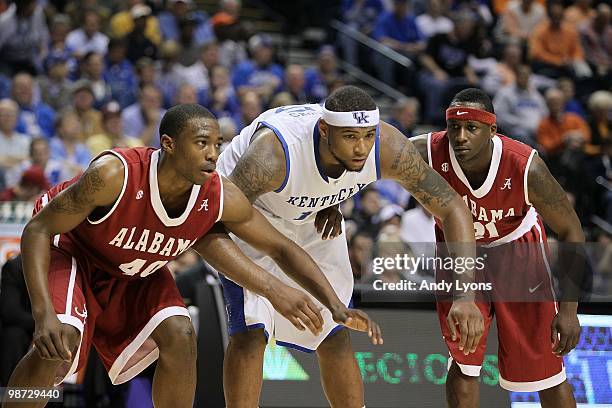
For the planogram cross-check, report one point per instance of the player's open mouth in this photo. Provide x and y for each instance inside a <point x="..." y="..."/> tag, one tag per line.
<point x="359" y="161"/>
<point x="208" y="170"/>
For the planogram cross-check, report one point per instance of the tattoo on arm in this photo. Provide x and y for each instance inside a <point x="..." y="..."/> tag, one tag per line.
<point x="420" y="179"/>
<point x="78" y="196"/>
<point x="258" y="171"/>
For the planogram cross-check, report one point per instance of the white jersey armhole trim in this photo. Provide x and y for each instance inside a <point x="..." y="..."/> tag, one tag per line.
<point x="526" y="176"/>
<point x="125" y="180"/>
<point x="429" y="150"/>
<point x="220" y="199"/>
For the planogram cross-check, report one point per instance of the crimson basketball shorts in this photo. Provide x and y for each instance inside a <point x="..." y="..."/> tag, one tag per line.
<point x="116" y="316"/>
<point x="523" y="304"/>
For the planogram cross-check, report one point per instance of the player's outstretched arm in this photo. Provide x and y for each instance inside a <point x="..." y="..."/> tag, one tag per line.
<point x="218" y="249"/>
<point x="250" y="225"/>
<point x="551" y="202"/>
<point x="99" y="186"/>
<point x="401" y="161"/>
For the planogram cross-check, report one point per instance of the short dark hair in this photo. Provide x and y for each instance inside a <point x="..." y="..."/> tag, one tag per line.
<point x="177" y="117"/>
<point x="474" y="95"/>
<point x="349" y="98"/>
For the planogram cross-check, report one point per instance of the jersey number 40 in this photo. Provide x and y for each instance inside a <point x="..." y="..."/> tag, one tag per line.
<point x="134" y="267"/>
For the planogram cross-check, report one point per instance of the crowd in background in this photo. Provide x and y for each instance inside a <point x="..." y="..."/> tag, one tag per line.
<point x="79" y="77"/>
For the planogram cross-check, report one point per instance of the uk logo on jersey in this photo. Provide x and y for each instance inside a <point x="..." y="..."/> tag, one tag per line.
<point x="361" y="117"/>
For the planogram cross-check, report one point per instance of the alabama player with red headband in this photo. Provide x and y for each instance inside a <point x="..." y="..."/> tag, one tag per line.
<point x="509" y="191"/>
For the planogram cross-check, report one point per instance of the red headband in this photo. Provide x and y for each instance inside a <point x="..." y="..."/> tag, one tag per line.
<point x="461" y="113"/>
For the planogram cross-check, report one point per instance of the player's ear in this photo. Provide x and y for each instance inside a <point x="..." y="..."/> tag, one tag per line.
<point x="166" y="143"/>
<point x="493" y="129"/>
<point x="323" y="128"/>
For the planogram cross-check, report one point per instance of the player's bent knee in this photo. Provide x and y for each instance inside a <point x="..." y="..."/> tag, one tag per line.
<point x="249" y="340"/>
<point x="176" y="335"/>
<point x="339" y="342"/>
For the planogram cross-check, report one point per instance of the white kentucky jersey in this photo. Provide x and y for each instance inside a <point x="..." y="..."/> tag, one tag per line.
<point x="306" y="189"/>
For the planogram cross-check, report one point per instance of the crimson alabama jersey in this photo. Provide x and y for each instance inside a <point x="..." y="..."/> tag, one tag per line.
<point x="500" y="207"/>
<point x="136" y="236"/>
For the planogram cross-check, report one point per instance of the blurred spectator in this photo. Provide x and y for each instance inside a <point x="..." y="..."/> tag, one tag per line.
<point x="145" y="72"/>
<point x="318" y="78"/>
<point x="170" y="71"/>
<point x="186" y="94"/>
<point x="281" y="99"/>
<point x="198" y="74"/>
<point x="250" y="109"/>
<point x="520" y="108"/>
<point x="364" y="213"/>
<point x="295" y="83"/>
<point x="555" y="48"/>
<point x="112" y="133"/>
<point x="35" y="118"/>
<point x="390" y="215"/>
<point x="92" y="69"/>
<point x="260" y="74"/>
<point x="360" y="15"/>
<point x="187" y="40"/>
<point x="16" y="316"/>
<point x="59" y="27"/>
<point x="566" y="85"/>
<point x="519" y="20"/>
<point x="360" y="253"/>
<point x="228" y="130"/>
<point x="141" y="120"/>
<point x="405" y="115"/>
<point x="560" y="130"/>
<point x="226" y="22"/>
<point x="32" y="183"/>
<point x="139" y="43"/>
<point x="67" y="146"/>
<point x="119" y="74"/>
<point x="417" y="230"/>
<point x="446" y="68"/>
<point x="579" y="14"/>
<point x="189" y="279"/>
<point x="88" y="38"/>
<point x="83" y="102"/>
<point x="122" y="23"/>
<point x="597" y="41"/>
<point x="177" y="11"/>
<point x="13" y="145"/>
<point x="40" y="156"/>
<point x="221" y="96"/>
<point x="184" y="262"/>
<point x="398" y="30"/>
<point x="55" y="86"/>
<point x="600" y="108"/>
<point x="502" y="73"/>
<point x="23" y="37"/>
<point x="434" y="21"/>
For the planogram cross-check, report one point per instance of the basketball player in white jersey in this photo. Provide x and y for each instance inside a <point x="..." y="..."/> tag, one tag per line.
<point x="292" y="162"/>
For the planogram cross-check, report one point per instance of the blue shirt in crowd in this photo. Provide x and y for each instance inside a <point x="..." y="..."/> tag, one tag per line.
<point x="404" y="29"/>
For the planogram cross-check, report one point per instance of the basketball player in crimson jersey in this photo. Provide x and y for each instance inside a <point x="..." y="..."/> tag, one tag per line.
<point x="95" y="254"/>
<point x="492" y="173"/>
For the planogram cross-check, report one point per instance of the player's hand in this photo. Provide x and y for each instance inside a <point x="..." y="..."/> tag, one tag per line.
<point x="329" y="222"/>
<point x="297" y="307"/>
<point x="466" y="323"/>
<point x="51" y="338"/>
<point x="565" y="332"/>
<point x="357" y="320"/>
